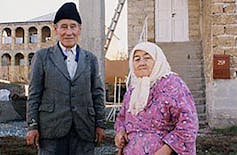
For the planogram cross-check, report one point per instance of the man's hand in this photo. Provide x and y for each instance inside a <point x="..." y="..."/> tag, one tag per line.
<point x="100" y="134"/>
<point x="32" y="137"/>
<point x="121" y="138"/>
<point x="164" y="150"/>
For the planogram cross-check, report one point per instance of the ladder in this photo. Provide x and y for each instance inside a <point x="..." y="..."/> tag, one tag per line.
<point x="113" y="24"/>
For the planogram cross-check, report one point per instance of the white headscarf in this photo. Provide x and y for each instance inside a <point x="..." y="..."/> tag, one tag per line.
<point x="142" y="86"/>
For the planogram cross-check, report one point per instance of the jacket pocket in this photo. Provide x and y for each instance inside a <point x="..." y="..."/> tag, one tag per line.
<point x="46" y="107"/>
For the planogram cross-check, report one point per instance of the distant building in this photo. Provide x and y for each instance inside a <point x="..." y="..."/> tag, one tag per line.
<point x="19" y="41"/>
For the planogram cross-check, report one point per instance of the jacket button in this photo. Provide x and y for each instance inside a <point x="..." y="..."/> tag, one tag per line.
<point x="74" y="108"/>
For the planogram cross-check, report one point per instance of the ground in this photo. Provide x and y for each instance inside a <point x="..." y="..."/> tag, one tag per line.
<point x="217" y="144"/>
<point x="209" y="142"/>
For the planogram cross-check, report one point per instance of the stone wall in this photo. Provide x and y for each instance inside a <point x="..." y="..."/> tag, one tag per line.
<point x="194" y="13"/>
<point x="222" y="103"/>
<point x="224" y="30"/>
<point x="219" y="37"/>
<point x="206" y="40"/>
<point x="139" y="9"/>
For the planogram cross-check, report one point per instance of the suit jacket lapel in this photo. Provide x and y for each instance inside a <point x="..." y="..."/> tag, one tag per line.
<point x="58" y="59"/>
<point x="81" y="64"/>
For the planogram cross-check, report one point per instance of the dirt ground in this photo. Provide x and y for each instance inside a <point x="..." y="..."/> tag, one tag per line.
<point x="208" y="143"/>
<point x="217" y="144"/>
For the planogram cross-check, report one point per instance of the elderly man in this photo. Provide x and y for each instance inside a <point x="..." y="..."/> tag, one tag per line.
<point x="65" y="107"/>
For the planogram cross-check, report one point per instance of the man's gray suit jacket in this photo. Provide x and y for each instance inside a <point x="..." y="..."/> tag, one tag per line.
<point x="55" y="101"/>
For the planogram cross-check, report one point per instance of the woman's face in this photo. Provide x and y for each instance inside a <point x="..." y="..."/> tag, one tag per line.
<point x="143" y="63"/>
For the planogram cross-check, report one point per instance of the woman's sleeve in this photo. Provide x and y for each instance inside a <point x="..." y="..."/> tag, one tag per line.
<point x="120" y="119"/>
<point x="182" y="139"/>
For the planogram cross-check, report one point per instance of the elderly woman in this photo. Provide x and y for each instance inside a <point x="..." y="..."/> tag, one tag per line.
<point x="158" y="116"/>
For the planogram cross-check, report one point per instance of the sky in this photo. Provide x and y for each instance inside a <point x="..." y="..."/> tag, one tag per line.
<point x="118" y="46"/>
<point x="23" y="10"/>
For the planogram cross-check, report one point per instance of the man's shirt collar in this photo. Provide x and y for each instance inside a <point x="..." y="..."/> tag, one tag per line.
<point x="64" y="49"/>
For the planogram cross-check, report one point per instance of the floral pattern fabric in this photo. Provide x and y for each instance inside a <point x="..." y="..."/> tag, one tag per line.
<point x="170" y="117"/>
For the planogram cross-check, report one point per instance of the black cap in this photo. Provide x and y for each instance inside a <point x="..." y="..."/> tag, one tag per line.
<point x="67" y="11"/>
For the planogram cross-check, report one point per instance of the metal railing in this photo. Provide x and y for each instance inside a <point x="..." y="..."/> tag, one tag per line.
<point x="115" y="106"/>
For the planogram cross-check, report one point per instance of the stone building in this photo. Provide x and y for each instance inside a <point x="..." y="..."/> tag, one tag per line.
<point x="199" y="38"/>
<point x="19" y="41"/>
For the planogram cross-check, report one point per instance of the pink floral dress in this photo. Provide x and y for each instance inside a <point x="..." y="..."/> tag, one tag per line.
<point x="170" y="117"/>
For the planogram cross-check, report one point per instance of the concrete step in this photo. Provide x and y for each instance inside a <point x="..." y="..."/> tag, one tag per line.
<point x="203" y="124"/>
<point x="201" y="108"/>
<point x="187" y="74"/>
<point x="202" y="117"/>
<point x="183" y="53"/>
<point x="182" y="61"/>
<point x="198" y="93"/>
<point x="181" y="46"/>
<point x="188" y="68"/>
<point x="186" y="59"/>
<point x="195" y="85"/>
<point x="185" y="56"/>
<point x="200" y="101"/>
<point x="186" y="65"/>
<point x="194" y="80"/>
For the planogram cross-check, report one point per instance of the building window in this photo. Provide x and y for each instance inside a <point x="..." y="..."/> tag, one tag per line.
<point x="33" y="35"/>
<point x="19" y="59"/>
<point x="19" y="35"/>
<point x="6" y="36"/>
<point x="6" y="60"/>
<point x="46" y="34"/>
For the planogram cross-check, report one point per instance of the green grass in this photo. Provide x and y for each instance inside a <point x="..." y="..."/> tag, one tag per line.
<point x="109" y="125"/>
<point x="232" y="130"/>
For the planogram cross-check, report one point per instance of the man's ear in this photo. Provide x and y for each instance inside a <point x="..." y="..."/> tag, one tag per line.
<point x="55" y="27"/>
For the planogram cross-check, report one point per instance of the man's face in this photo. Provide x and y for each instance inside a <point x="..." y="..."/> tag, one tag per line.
<point x="68" y="31"/>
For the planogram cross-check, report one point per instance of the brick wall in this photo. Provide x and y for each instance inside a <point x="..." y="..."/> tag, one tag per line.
<point x="139" y="9"/>
<point x="194" y="19"/>
<point x="206" y="40"/>
<point x="219" y="37"/>
<point x="224" y="30"/>
<point x="219" y="33"/>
